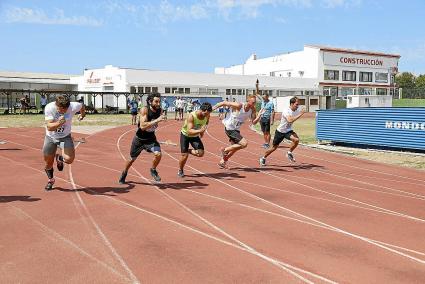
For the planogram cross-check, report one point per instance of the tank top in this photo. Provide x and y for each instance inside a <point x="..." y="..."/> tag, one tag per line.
<point x="197" y="124"/>
<point x="149" y="133"/>
<point x="237" y="118"/>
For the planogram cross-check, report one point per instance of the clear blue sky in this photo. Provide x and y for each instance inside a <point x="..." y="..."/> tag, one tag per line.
<point x="68" y="36"/>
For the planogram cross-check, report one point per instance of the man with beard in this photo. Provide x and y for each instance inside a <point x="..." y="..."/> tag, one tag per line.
<point x="145" y="138"/>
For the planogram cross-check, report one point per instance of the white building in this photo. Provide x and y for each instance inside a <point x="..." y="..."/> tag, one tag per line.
<point x="187" y="84"/>
<point x="336" y="71"/>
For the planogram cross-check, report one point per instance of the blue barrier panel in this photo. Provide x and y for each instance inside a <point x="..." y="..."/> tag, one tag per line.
<point x="389" y="127"/>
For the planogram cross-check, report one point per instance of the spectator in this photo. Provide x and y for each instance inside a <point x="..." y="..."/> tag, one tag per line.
<point x="43" y="102"/>
<point x="133" y="106"/>
<point x="164" y="106"/>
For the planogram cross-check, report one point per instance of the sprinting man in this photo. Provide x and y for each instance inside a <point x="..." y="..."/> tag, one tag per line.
<point x="191" y="133"/>
<point x="58" y="117"/>
<point x="284" y="130"/>
<point x="239" y="113"/>
<point x="145" y="138"/>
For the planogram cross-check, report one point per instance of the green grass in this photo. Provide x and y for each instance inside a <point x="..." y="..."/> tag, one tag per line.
<point x="305" y="127"/>
<point x="37" y="120"/>
<point x="340" y="103"/>
<point x="409" y="103"/>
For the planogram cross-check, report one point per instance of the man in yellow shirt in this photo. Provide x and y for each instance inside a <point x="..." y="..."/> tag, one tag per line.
<point x="191" y="133"/>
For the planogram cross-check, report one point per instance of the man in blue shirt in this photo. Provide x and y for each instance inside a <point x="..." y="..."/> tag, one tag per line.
<point x="133" y="105"/>
<point x="268" y="116"/>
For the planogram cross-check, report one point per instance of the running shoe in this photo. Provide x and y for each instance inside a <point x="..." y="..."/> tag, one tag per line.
<point x="59" y="162"/>
<point x="262" y="161"/>
<point x="155" y="175"/>
<point x="49" y="185"/>
<point x="122" y="178"/>
<point x="223" y="165"/>
<point x="223" y="153"/>
<point x="290" y="157"/>
<point x="180" y="173"/>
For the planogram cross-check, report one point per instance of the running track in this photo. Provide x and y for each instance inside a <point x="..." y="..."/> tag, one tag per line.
<point x="328" y="218"/>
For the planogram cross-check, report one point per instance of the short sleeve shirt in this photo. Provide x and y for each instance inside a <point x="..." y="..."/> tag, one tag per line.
<point x="284" y="125"/>
<point x="51" y="113"/>
<point x="268" y="109"/>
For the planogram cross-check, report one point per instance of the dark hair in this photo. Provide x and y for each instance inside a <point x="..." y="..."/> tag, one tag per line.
<point x="293" y="100"/>
<point x="150" y="97"/>
<point x="62" y="101"/>
<point x="206" y="107"/>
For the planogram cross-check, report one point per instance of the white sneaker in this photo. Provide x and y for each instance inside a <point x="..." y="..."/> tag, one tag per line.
<point x="262" y="161"/>
<point x="290" y="157"/>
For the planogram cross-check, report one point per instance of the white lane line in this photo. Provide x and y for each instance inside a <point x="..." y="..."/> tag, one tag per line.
<point x="262" y="256"/>
<point x="58" y="236"/>
<point x="388" y="211"/>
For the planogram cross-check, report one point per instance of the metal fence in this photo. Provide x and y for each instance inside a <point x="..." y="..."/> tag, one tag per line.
<point x="416" y="93"/>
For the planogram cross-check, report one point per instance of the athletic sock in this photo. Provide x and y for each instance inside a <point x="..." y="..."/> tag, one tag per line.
<point x="49" y="173"/>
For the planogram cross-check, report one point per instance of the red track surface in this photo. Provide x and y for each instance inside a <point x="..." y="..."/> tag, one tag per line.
<point x="327" y="218"/>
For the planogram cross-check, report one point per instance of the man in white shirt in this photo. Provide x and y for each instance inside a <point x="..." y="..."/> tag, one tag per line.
<point x="284" y="130"/>
<point x="179" y="107"/>
<point x="240" y="112"/>
<point x="58" y="117"/>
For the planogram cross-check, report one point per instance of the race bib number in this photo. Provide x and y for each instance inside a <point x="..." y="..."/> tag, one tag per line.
<point x="60" y="129"/>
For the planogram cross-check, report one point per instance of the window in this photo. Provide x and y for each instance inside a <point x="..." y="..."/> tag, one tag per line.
<point x="181" y="90"/>
<point x="239" y="92"/>
<point x="227" y="92"/>
<point x="147" y="90"/>
<point x="187" y="90"/>
<point x="167" y="90"/>
<point x="381" y="77"/>
<point x="348" y="75"/>
<point x="132" y="89"/>
<point x="330" y="91"/>
<point x="289" y="74"/>
<point x="174" y="90"/>
<point x="140" y="89"/>
<point x="365" y="91"/>
<point x="365" y="77"/>
<point x="154" y="89"/>
<point x="301" y="73"/>
<point x="331" y="75"/>
<point x="381" y="91"/>
<point x="314" y="102"/>
<point x="108" y="88"/>
<point x="347" y="92"/>
<point x="301" y="102"/>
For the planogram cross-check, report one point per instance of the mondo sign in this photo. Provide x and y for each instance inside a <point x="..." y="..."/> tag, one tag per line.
<point x="405" y="125"/>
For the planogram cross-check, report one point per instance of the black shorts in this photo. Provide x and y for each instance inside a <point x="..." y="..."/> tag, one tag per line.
<point x="138" y="145"/>
<point x="265" y="125"/>
<point x="196" y="143"/>
<point x="134" y="112"/>
<point x="279" y="136"/>
<point x="234" y="135"/>
<point x="164" y="111"/>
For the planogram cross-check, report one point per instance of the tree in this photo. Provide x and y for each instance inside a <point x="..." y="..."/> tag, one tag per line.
<point x="420" y="81"/>
<point x="405" y="80"/>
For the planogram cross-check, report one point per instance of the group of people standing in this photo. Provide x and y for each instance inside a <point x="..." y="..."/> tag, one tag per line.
<point x="59" y="117"/>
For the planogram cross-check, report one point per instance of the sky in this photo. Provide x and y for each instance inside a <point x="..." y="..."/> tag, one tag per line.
<point x="197" y="36"/>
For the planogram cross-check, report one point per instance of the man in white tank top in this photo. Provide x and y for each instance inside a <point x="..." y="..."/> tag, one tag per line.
<point x="240" y="112"/>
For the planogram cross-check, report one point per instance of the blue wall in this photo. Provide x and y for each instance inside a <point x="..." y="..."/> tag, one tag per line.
<point x="389" y="127"/>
